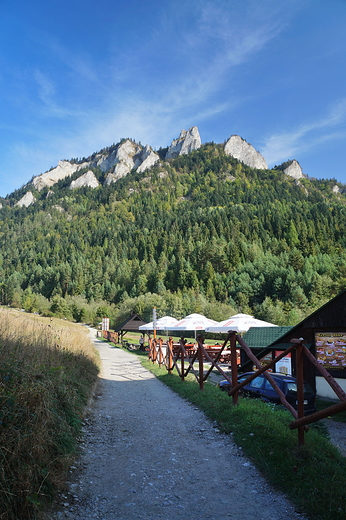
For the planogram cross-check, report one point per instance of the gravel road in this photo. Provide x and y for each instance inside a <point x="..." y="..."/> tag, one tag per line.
<point x="148" y="454"/>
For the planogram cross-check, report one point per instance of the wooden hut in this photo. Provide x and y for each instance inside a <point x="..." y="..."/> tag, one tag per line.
<point x="131" y="324"/>
<point x="324" y="333"/>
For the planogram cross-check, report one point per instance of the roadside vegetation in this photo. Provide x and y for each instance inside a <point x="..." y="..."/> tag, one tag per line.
<point x="313" y="477"/>
<point x="48" y="368"/>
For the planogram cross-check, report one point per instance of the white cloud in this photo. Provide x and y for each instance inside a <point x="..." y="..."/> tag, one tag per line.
<point x="214" y="39"/>
<point x="287" y="145"/>
<point x="46" y="87"/>
<point x="208" y="52"/>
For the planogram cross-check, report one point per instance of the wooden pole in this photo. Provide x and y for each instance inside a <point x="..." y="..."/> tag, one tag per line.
<point x="261" y="370"/>
<point x="213" y="363"/>
<point x="160" y="351"/>
<point x="234" y="367"/>
<point x="200" y="362"/>
<point x="150" y="355"/>
<point x="300" y="389"/>
<point x="322" y="414"/>
<point x="154" y="356"/>
<point x="182" y="353"/>
<point x="170" y="355"/>
<point x="268" y="376"/>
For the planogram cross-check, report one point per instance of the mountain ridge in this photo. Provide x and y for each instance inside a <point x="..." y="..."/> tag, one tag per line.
<point x="127" y="155"/>
<point x="189" y="234"/>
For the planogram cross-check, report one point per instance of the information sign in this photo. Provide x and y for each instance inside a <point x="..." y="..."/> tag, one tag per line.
<point x="105" y="323"/>
<point x="331" y="349"/>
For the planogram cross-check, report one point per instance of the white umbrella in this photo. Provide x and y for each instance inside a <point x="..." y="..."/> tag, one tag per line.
<point x="193" y="322"/>
<point x="164" y="323"/>
<point x="238" y="323"/>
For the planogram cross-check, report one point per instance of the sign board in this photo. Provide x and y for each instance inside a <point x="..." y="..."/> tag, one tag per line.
<point x="154" y="318"/>
<point x="264" y="361"/>
<point x="284" y="365"/>
<point x="105" y="323"/>
<point x="331" y="349"/>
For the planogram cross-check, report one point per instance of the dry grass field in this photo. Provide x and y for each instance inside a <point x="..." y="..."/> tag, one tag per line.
<point x="48" y="368"/>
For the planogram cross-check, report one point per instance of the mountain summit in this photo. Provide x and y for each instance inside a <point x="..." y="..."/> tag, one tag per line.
<point x="118" y="160"/>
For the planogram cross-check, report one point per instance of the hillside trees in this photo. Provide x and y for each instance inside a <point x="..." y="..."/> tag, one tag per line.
<point x="202" y="227"/>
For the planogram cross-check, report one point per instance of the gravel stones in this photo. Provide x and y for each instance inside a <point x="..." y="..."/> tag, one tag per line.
<point x="148" y="454"/>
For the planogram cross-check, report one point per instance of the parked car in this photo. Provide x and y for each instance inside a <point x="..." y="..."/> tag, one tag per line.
<point x="260" y="387"/>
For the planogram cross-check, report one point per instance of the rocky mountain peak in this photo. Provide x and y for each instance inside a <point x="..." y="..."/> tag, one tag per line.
<point x="120" y="159"/>
<point x="119" y="162"/>
<point x="294" y="170"/>
<point x="238" y="148"/>
<point x="131" y="156"/>
<point x="187" y="142"/>
<point x="148" y="158"/>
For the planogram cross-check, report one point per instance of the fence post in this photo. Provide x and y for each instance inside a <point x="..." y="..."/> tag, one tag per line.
<point x="300" y="388"/>
<point x="200" y="362"/>
<point x="160" y="352"/>
<point x="234" y="367"/>
<point x="182" y="353"/>
<point x="170" y="355"/>
<point x="154" y="350"/>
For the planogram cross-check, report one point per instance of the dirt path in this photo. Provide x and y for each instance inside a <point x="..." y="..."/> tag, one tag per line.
<point x="148" y="454"/>
<point x="337" y="432"/>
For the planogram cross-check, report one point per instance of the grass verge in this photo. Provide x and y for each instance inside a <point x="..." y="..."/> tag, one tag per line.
<point x="48" y="368"/>
<point x="312" y="476"/>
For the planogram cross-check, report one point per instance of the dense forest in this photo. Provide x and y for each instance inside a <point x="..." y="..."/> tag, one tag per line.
<point x="199" y="233"/>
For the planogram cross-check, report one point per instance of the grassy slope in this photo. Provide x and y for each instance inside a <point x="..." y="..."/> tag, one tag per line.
<point x="47" y="371"/>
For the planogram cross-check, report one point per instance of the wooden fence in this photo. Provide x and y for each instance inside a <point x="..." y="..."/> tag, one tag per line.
<point x="182" y="357"/>
<point x="113" y="337"/>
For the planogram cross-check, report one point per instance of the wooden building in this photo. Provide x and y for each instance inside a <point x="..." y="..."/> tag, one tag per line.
<point x="324" y="333"/>
<point x="131" y="324"/>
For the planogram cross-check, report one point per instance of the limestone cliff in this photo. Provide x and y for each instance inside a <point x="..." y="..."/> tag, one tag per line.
<point x="26" y="200"/>
<point x="294" y="170"/>
<point x="119" y="162"/>
<point x="120" y="159"/>
<point x="86" y="180"/>
<point x="244" y="152"/>
<point x="131" y="156"/>
<point x="63" y="170"/>
<point x="187" y="142"/>
<point x="148" y="159"/>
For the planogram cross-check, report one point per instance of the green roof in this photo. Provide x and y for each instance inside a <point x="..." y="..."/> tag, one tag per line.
<point x="262" y="337"/>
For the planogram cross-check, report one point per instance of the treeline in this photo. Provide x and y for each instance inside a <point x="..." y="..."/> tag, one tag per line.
<point x="202" y="227"/>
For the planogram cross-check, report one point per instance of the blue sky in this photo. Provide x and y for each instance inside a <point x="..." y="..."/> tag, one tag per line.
<point x="78" y="76"/>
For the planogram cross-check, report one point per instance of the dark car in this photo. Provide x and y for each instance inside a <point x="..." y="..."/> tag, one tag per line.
<point x="260" y="387"/>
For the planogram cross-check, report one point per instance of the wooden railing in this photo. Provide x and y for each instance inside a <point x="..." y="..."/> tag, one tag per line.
<point x="183" y="356"/>
<point x="110" y="336"/>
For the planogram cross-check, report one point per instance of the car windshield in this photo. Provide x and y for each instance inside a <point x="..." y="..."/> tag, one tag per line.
<point x="292" y="389"/>
<point x="269" y="386"/>
<point x="255" y="383"/>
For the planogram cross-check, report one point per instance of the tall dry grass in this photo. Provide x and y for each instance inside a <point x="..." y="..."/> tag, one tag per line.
<point x="47" y="371"/>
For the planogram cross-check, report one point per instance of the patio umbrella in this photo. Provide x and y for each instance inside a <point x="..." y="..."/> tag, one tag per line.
<point x="164" y="323"/>
<point x="193" y="322"/>
<point x="238" y="323"/>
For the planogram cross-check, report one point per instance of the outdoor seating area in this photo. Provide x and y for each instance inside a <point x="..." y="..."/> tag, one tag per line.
<point x="213" y="352"/>
<point x="313" y="352"/>
<point x="197" y="324"/>
<point x="324" y="333"/>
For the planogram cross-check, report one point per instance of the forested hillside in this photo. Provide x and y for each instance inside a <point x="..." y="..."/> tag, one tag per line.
<point x="201" y="232"/>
